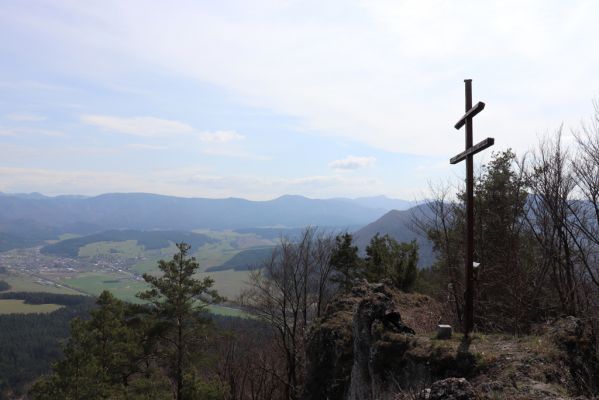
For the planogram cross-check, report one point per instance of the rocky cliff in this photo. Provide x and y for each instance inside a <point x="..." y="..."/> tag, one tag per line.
<point x="378" y="343"/>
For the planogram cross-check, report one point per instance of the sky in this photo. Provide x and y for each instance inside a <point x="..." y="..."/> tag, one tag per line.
<point x="257" y="99"/>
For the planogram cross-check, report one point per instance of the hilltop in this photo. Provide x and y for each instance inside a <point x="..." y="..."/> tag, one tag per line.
<point x="361" y="349"/>
<point x="398" y="224"/>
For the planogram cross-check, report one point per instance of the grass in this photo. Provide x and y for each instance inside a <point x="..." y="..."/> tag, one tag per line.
<point x="212" y="254"/>
<point x="207" y="256"/>
<point x="11" y="306"/>
<point x="126" y="249"/>
<point x="121" y="286"/>
<point x="146" y="267"/>
<point x="228" y="283"/>
<point x="24" y="283"/>
<point x="169" y="251"/>
<point x="125" y="288"/>
<point x="227" y="311"/>
<point x="66" y="236"/>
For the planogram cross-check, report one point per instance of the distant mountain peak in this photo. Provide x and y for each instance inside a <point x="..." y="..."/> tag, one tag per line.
<point x="292" y="197"/>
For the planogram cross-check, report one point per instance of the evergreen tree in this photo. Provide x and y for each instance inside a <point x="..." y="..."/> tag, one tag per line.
<point x="97" y="358"/>
<point x="177" y="300"/>
<point x="510" y="282"/>
<point x="345" y="261"/>
<point x="149" y="351"/>
<point x="386" y="258"/>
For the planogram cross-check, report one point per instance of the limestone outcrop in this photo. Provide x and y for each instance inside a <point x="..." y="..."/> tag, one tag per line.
<point x="378" y="343"/>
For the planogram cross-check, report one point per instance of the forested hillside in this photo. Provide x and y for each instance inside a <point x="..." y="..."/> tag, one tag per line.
<point x="399" y="224"/>
<point x="31" y="342"/>
<point x="245" y="260"/>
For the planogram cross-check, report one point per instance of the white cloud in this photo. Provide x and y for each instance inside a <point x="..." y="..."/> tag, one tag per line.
<point x="138" y="126"/>
<point x="55" y="182"/>
<point x="388" y="73"/>
<point x="352" y="162"/>
<point x="260" y="188"/>
<point x="189" y="182"/>
<point x="220" y="136"/>
<point x="232" y="153"/>
<point x="25" y="117"/>
<point x="144" y="146"/>
<point x="20" y="132"/>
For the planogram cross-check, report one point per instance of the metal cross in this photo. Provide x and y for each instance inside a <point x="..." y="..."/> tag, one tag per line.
<point x="468" y="155"/>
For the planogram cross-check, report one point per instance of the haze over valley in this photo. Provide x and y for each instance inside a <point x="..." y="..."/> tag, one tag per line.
<point x="78" y="244"/>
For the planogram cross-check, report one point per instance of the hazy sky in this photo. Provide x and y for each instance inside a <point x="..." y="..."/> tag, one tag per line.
<point x="257" y="99"/>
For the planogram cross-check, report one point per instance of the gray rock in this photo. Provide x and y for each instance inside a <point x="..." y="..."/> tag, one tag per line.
<point x="450" y="389"/>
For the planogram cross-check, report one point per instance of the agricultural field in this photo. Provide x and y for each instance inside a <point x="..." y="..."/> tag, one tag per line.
<point x="228" y="283"/>
<point x="215" y="254"/>
<point x="125" y="288"/>
<point x="66" y="236"/>
<point x="26" y="283"/>
<point x="121" y="285"/>
<point x="125" y="249"/>
<point x="118" y="265"/>
<point x="11" y="306"/>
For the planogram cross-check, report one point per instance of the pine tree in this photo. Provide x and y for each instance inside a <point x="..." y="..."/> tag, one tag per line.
<point x="345" y="261"/>
<point x="177" y="300"/>
<point x="97" y="358"/>
<point x="388" y="259"/>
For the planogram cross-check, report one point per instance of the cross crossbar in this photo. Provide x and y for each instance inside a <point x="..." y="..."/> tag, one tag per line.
<point x="468" y="156"/>
<point x="478" y="107"/>
<point x="488" y="142"/>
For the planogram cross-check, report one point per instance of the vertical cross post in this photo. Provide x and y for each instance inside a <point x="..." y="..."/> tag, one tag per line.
<point x="468" y="155"/>
<point x="469" y="303"/>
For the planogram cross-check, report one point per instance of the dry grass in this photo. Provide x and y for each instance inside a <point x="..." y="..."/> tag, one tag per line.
<point x="11" y="306"/>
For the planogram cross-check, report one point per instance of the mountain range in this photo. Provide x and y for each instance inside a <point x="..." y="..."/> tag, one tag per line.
<point x="30" y="219"/>
<point x="399" y="224"/>
<point x="151" y="211"/>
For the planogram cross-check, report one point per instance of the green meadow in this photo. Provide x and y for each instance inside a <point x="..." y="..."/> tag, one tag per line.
<point x="125" y="249"/>
<point x="11" y="306"/>
<point x="25" y="283"/>
<point x="228" y="283"/>
<point x="125" y="288"/>
<point x="94" y="283"/>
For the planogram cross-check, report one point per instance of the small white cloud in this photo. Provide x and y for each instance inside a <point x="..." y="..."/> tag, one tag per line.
<point x="352" y="162"/>
<point x="138" y="126"/>
<point x="220" y="136"/>
<point x="25" y="117"/>
<point x="244" y="155"/>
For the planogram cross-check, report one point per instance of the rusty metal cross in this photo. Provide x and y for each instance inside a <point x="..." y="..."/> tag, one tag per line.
<point x="468" y="155"/>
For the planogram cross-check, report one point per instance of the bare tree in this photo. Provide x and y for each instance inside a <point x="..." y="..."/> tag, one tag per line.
<point x="288" y="291"/>
<point x="586" y="210"/>
<point x="438" y="220"/>
<point x="504" y="247"/>
<point x="552" y="182"/>
<point x="247" y="363"/>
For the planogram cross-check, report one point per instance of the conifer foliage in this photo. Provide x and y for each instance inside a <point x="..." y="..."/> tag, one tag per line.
<point x="177" y="299"/>
<point x="148" y="351"/>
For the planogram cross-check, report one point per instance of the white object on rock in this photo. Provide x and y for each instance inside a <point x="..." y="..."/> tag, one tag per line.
<point x="444" y="331"/>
